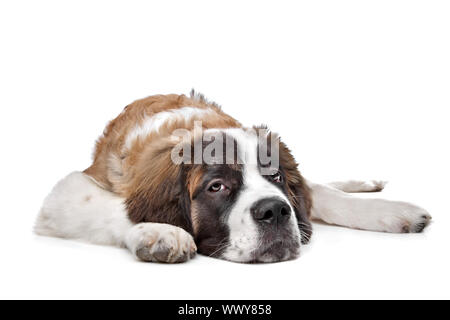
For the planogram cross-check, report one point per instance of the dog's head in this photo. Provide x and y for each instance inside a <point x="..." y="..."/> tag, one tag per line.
<point x="237" y="191"/>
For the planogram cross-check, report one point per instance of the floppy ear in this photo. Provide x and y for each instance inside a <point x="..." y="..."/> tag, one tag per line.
<point x="298" y="192"/>
<point x="159" y="192"/>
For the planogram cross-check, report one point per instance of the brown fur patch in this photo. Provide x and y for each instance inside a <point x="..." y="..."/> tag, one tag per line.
<point x="298" y="191"/>
<point x="195" y="218"/>
<point x="157" y="191"/>
<point x="113" y="165"/>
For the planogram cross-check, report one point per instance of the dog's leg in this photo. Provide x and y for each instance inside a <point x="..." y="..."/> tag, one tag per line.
<point x="337" y="207"/>
<point x="354" y="186"/>
<point x="77" y="208"/>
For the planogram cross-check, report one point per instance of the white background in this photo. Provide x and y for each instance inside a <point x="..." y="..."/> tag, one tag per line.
<point x="357" y="89"/>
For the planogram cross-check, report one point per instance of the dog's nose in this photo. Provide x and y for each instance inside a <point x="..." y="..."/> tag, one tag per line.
<point x="271" y="211"/>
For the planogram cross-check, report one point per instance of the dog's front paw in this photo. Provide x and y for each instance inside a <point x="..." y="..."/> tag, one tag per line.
<point x="159" y="242"/>
<point x="406" y="218"/>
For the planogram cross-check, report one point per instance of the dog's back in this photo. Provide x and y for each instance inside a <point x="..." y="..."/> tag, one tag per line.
<point x="146" y="124"/>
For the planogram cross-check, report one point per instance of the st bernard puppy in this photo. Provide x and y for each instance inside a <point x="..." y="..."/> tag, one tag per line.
<point x="157" y="187"/>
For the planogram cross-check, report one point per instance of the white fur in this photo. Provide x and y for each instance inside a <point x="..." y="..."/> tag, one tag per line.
<point x="244" y="235"/>
<point x="354" y="186"/>
<point x="337" y="207"/>
<point x="78" y="208"/>
<point x="154" y="122"/>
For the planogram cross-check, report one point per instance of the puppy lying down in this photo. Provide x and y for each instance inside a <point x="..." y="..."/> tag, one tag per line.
<point x="173" y="175"/>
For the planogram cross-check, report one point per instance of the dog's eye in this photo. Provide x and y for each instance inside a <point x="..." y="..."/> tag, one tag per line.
<point x="277" y="177"/>
<point x="216" y="187"/>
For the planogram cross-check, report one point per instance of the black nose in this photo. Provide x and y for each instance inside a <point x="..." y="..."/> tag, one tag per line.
<point x="271" y="211"/>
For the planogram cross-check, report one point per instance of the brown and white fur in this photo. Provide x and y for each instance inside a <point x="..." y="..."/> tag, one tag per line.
<point x="135" y="196"/>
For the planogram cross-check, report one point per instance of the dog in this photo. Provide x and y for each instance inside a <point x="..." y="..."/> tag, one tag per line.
<point x="174" y="175"/>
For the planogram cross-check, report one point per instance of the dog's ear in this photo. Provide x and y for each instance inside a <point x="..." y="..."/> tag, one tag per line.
<point x="159" y="192"/>
<point x="298" y="192"/>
